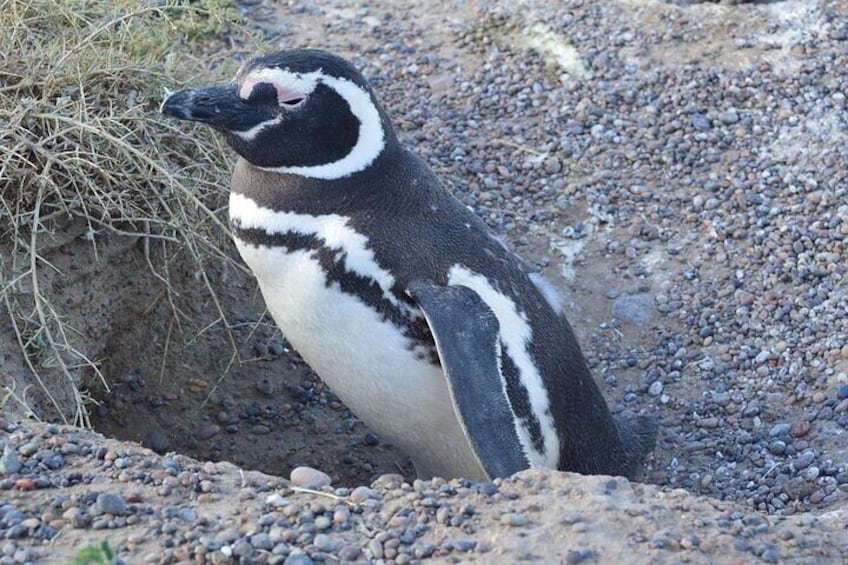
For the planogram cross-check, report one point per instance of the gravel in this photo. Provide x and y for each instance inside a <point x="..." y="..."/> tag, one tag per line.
<point x="152" y="509"/>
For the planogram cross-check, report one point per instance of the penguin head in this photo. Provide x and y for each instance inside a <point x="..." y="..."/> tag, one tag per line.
<point x="303" y="111"/>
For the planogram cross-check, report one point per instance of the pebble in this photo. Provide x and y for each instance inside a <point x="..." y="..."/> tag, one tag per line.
<point x="634" y="309"/>
<point x="349" y="553"/>
<point x="804" y="460"/>
<point x="9" y="463"/>
<point x="514" y="519"/>
<point x="777" y="447"/>
<point x="553" y="165"/>
<point x="276" y="499"/>
<point x="261" y="541"/>
<point x="361" y="494"/>
<point x="580" y="556"/>
<point x="307" y="477"/>
<point x="28" y="449"/>
<point x="207" y="431"/>
<point x="728" y="117"/>
<point x="779" y="430"/>
<point x="77" y="517"/>
<point x="465" y="545"/>
<point x="327" y="543"/>
<point x="298" y="559"/>
<point x="800" y="429"/>
<point x="108" y="503"/>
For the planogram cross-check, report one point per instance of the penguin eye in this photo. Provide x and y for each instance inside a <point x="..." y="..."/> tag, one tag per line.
<point x="292" y="102"/>
<point x="289" y="97"/>
<point x="271" y="94"/>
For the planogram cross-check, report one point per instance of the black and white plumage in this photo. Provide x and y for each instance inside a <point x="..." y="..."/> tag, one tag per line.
<point x="399" y="297"/>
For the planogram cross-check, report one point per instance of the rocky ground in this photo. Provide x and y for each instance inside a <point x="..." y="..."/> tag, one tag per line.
<point x="74" y="490"/>
<point x="679" y="172"/>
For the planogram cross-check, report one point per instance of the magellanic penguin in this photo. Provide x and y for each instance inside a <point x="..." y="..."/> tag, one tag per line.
<point x="401" y="299"/>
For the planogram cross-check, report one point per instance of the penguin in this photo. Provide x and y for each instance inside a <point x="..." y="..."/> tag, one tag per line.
<point x="418" y="317"/>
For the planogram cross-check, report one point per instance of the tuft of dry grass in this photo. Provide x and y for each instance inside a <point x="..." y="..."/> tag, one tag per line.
<point x="81" y="137"/>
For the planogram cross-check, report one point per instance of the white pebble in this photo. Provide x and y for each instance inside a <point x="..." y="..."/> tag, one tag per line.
<point x="307" y="477"/>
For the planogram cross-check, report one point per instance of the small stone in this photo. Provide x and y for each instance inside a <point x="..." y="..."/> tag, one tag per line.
<point x="656" y="388"/>
<point x="207" y="431"/>
<point x="28" y="448"/>
<point x="77" y="517"/>
<point x="261" y="541"/>
<point x="23" y="555"/>
<point x="800" y="429"/>
<point x="242" y="548"/>
<point x="635" y="309"/>
<point x="798" y="489"/>
<point x="842" y="392"/>
<point x="298" y="559"/>
<point x="371" y="439"/>
<point x="376" y="549"/>
<point x="108" y="503"/>
<point x="25" y="483"/>
<point x="424" y="551"/>
<point x="307" y="477"/>
<point x="579" y="556"/>
<point x="711" y="422"/>
<point x="514" y="519"/>
<point x="389" y="481"/>
<point x="728" y="117"/>
<point x="31" y="523"/>
<point x="553" y="165"/>
<point x="326" y="542"/>
<point x="777" y="447"/>
<point x="362" y="493"/>
<point x="260" y="430"/>
<point x="341" y="515"/>
<point x="349" y="553"/>
<point x="277" y="500"/>
<point x="804" y="460"/>
<point x="779" y="430"/>
<point x="488" y="488"/>
<point x="9" y="463"/>
<point x="465" y="544"/>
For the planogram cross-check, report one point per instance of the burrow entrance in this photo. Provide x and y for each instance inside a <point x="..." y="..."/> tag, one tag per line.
<point x="176" y="383"/>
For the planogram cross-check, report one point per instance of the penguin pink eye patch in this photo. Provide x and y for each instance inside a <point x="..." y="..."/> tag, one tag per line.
<point x="253" y="89"/>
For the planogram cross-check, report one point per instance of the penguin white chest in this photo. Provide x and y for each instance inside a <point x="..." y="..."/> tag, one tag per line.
<point x="364" y="358"/>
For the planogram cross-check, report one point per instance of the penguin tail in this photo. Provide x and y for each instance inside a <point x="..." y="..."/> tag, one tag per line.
<point x="638" y="435"/>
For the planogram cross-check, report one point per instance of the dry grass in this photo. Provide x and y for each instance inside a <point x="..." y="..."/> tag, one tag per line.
<point x="80" y="136"/>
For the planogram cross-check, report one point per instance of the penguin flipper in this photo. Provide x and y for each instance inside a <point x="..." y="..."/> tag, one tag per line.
<point x="466" y="333"/>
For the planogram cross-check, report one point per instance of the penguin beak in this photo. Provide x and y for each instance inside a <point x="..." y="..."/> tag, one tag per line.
<point x="219" y="106"/>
